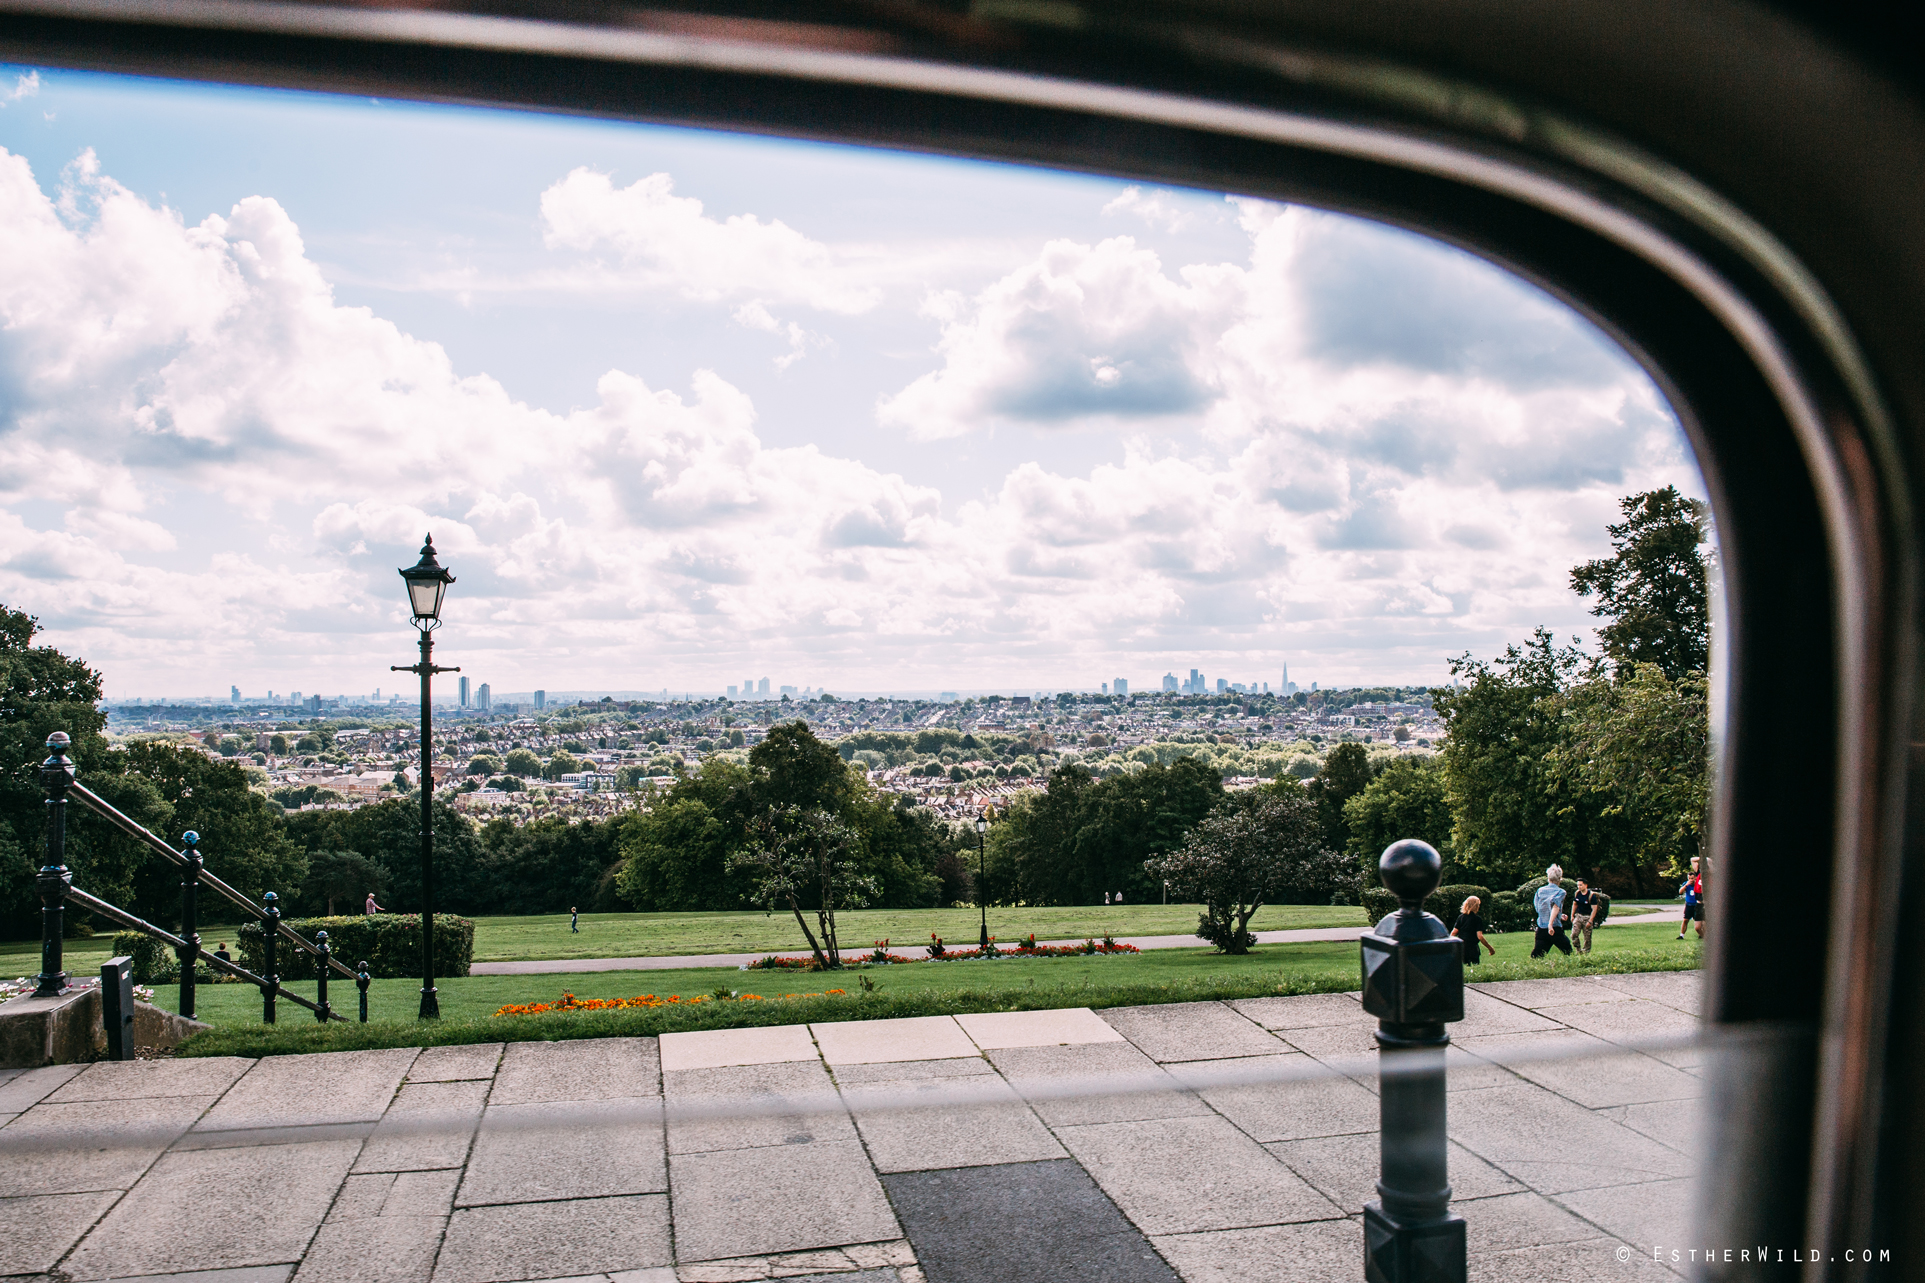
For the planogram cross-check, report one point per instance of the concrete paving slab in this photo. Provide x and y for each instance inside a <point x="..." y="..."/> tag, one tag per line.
<point x="804" y="1086"/>
<point x="1348" y="1049"/>
<point x="28" y="1087"/>
<point x="301" y="1091"/>
<point x="1504" y="1126"/>
<point x="1664" y="1122"/>
<point x="1303" y="1010"/>
<point x="129" y="1079"/>
<point x="247" y="1274"/>
<point x="555" y="1240"/>
<point x="1344" y="1170"/>
<point x="1298" y="1108"/>
<point x="1682" y="990"/>
<point x="40" y="1152"/>
<point x="1025" y="1221"/>
<point x="720" y="1048"/>
<point x="429" y="1125"/>
<point x="1524" y="1219"/>
<point x="872" y="1042"/>
<point x="972" y="1066"/>
<point x="530" y="1153"/>
<point x="1550" y="993"/>
<point x="1179" y="1175"/>
<point x="1656" y="1214"/>
<point x="995" y="1029"/>
<point x="387" y="1249"/>
<point x="36" y="1232"/>
<point x="412" y="1195"/>
<point x="1097" y="1064"/>
<point x="539" y="1073"/>
<point x="452" y="1064"/>
<point x="1311" y="1252"/>
<point x="1191" y="1031"/>
<point x="948" y="1136"/>
<point x="1638" y="1022"/>
<point x="146" y="1233"/>
<point x="1588" y="1261"/>
<point x="1484" y="1014"/>
<point x="744" y="1202"/>
<point x="1588" y="1070"/>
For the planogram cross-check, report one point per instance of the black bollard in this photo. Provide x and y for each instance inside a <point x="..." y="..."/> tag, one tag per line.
<point x="361" y="982"/>
<point x="1413" y="982"/>
<point x="56" y="773"/>
<point x="190" y="952"/>
<point x="117" y="1007"/>
<point x="271" y="930"/>
<point x="321" y="986"/>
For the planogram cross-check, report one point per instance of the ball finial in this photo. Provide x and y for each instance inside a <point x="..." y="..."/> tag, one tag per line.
<point x="1411" y="870"/>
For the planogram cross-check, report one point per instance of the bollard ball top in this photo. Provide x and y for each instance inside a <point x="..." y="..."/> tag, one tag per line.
<point x="57" y="742"/>
<point x="1411" y="869"/>
<point x="190" y="838"/>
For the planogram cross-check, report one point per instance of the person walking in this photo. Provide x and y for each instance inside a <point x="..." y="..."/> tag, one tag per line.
<point x="1583" y="915"/>
<point x="1693" y="892"/>
<point x="1549" y="903"/>
<point x="373" y="908"/>
<point x="574" y="920"/>
<point x="1470" y="929"/>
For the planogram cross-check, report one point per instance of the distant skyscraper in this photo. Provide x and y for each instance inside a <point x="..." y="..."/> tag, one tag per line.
<point x="1169" y="681"/>
<point x="731" y="692"/>
<point x="1222" y="685"/>
<point x="1119" y="687"/>
<point x="483" y="699"/>
<point x="1106" y="688"/>
<point x="233" y="694"/>
<point x="748" y="688"/>
<point x="762" y="688"/>
<point x="1285" y="686"/>
<point x="541" y="699"/>
<point x="464" y="692"/>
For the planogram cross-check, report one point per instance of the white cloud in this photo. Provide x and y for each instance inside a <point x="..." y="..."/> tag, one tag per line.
<point x="1379" y="512"/>
<point x="666" y="240"/>
<point x="25" y="86"/>
<point x="1160" y="209"/>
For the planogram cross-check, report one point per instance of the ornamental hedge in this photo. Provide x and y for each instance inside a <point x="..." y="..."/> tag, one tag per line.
<point x="389" y="942"/>
<point x="1444" y="902"/>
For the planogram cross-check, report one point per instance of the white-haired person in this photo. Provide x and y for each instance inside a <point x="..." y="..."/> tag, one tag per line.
<point x="1469" y="928"/>
<point x="1549" y="903"/>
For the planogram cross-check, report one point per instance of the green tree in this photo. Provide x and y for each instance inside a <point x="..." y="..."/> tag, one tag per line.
<point x="1261" y="846"/>
<point x="675" y="855"/>
<point x="795" y="769"/>
<point x="1653" y="588"/>
<point x="484" y="764"/>
<point x="523" y="763"/>
<point x="1643" y="741"/>
<point x="795" y="854"/>
<point x="562" y="763"/>
<point x="1407" y="800"/>
<point x="341" y="875"/>
<point x="1345" y="773"/>
<point x="243" y="838"/>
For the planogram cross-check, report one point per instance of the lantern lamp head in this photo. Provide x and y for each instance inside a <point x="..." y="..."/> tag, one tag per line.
<point x="427" y="582"/>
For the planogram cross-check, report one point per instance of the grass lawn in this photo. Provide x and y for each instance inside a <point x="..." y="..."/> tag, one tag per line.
<point x="650" y="935"/>
<point x="1162" y="975"/>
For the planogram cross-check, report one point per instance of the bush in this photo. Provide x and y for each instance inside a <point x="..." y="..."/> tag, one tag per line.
<point x="389" y="942"/>
<point x="1447" y="900"/>
<point x="1379" y="902"/>
<point x="1508" y="911"/>
<point x="155" y="963"/>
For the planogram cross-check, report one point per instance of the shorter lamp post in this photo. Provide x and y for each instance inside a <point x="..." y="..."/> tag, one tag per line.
<point x="427" y="583"/>
<point x="982" y="873"/>
<point x="1413" y="982"/>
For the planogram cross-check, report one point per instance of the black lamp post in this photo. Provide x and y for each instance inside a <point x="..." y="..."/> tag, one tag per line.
<point x="982" y="872"/>
<point x="427" y="582"/>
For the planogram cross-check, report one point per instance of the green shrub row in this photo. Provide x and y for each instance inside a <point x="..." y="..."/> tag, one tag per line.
<point x="390" y="943"/>
<point x="155" y="962"/>
<point x="1444" y="902"/>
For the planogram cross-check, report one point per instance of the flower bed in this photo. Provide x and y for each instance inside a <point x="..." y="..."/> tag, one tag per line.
<point x="27" y="984"/>
<point x="569" y="1002"/>
<point x="940" y="952"/>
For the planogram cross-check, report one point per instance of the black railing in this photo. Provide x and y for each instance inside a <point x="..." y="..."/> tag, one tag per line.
<point x="57" y="890"/>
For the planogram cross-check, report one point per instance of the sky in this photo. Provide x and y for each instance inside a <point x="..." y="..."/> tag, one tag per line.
<point x="684" y="409"/>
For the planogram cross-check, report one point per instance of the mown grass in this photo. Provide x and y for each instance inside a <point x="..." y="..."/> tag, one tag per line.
<point x="660" y="935"/>
<point x="919" y="990"/>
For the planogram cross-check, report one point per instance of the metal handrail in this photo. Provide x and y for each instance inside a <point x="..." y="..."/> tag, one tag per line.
<point x="140" y="832"/>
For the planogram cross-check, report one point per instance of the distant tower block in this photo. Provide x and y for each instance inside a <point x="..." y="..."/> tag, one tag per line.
<point x="1119" y="687"/>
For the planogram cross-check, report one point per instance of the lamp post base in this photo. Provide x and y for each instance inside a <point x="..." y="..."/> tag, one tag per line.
<point x="430" y="1004"/>
<point x="1425" y="1252"/>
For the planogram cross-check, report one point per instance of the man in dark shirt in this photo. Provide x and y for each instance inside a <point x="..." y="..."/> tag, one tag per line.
<point x="1583" y="913"/>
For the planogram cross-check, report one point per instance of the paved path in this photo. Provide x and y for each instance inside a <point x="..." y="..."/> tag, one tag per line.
<point x="1132" y="1145"/>
<point x="546" y="966"/>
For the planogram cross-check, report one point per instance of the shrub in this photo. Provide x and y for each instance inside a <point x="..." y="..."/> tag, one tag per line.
<point x="1508" y="911"/>
<point x="389" y="942"/>
<point x="1377" y="903"/>
<point x="155" y="963"/>
<point x="1447" y="900"/>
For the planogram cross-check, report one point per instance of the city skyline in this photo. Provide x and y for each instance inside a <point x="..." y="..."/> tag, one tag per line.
<point x="679" y="407"/>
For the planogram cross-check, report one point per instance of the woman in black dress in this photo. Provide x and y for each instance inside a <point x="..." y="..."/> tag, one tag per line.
<point x="1470" y="929"/>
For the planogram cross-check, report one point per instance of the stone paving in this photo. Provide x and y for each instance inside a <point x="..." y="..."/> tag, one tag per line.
<point x="898" y="1151"/>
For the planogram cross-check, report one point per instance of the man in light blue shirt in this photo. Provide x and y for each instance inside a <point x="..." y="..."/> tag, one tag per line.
<point x="1549" y="903"/>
